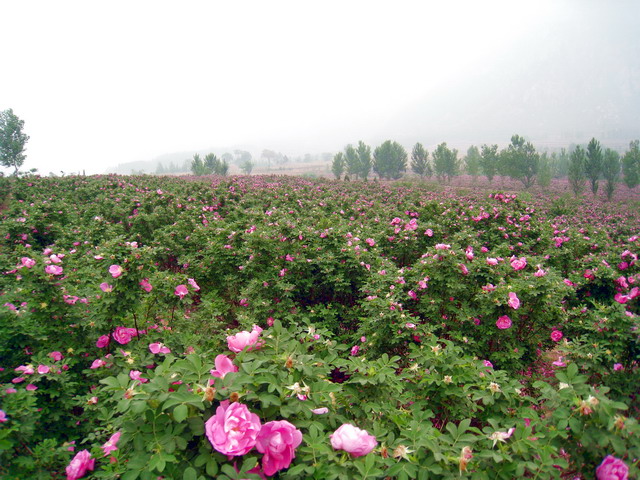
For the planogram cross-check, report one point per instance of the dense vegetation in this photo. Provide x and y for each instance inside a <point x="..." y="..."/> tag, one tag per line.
<point x="461" y="332"/>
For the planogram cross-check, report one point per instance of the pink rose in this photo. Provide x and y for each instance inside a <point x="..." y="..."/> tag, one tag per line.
<point x="503" y="322"/>
<point x="320" y="411"/>
<point x="556" y="335"/>
<point x="56" y="356"/>
<point x="146" y="286"/>
<point x="617" y="367"/>
<point x="27" y="262"/>
<point x="278" y="441"/>
<point x="518" y="263"/>
<point x="42" y="369"/>
<point x="53" y="270"/>
<point x="244" y="339"/>
<point x="97" y="363"/>
<point x="193" y="284"/>
<point x="233" y="430"/>
<point x="181" y="291"/>
<point x="492" y="261"/>
<point x="224" y="365"/>
<point x="115" y="271"/>
<point x="79" y="465"/>
<point x="103" y="341"/>
<point x="158" y="348"/>
<point x="123" y="335"/>
<point x="105" y="287"/>
<point x="110" y="446"/>
<point x="353" y="440"/>
<point x="514" y="301"/>
<point x="612" y="468"/>
<point x="3" y="416"/>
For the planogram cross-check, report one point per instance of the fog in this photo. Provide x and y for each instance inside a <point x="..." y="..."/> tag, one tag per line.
<point x="101" y="84"/>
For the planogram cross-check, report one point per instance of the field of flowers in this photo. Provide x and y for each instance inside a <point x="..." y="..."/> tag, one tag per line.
<point x="281" y="327"/>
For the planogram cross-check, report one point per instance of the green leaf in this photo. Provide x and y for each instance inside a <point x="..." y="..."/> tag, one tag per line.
<point x="180" y="413"/>
<point x="190" y="474"/>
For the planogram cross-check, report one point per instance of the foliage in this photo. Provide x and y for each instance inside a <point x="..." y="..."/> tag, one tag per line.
<point x="631" y="164"/>
<point x="593" y="164"/>
<point x="489" y="161"/>
<point x="338" y="165"/>
<point x="12" y="140"/>
<point x="445" y="162"/>
<point x="420" y="161"/>
<point x="610" y="170"/>
<point x="389" y="160"/>
<point x="521" y="161"/>
<point x="472" y="161"/>
<point x="382" y="303"/>
<point x="576" y="172"/>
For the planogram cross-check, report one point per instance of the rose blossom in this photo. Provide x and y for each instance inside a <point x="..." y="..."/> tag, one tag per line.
<point x="278" y="441"/>
<point x="103" y="341"/>
<point x="514" y="301"/>
<point x="79" y="465"/>
<point x="244" y="339"/>
<point x="181" y="291"/>
<point x="53" y="270"/>
<point x="518" y="263"/>
<point x="353" y="440"/>
<point x="158" y="348"/>
<point x="110" y="446"/>
<point x="123" y="335"/>
<point x="233" y="430"/>
<point x="115" y="271"/>
<point x="503" y="322"/>
<point x="556" y="335"/>
<point x="612" y="468"/>
<point x="224" y="365"/>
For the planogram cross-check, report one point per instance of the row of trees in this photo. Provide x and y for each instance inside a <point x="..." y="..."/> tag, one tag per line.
<point x="210" y="165"/>
<point x="519" y="160"/>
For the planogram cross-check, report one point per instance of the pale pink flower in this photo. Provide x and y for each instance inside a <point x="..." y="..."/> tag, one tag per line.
<point x="193" y="284"/>
<point x="492" y="261"/>
<point x="224" y="365"/>
<point x="56" y="356"/>
<point x="115" y="271"/>
<point x="31" y="387"/>
<point x="233" y="430"/>
<point x="320" y="411"/>
<point x="158" y="348"/>
<point x="540" y="272"/>
<point x="146" y="286"/>
<point x="79" y="465"/>
<point x="3" y="416"/>
<point x="441" y="246"/>
<point x="370" y="241"/>
<point x="617" y="367"/>
<point x="181" y="291"/>
<point x="110" y="445"/>
<point x="518" y="263"/>
<point x="353" y="440"/>
<point x="97" y="363"/>
<point x="42" y="369"/>
<point x="503" y="322"/>
<point x="137" y="375"/>
<point x="278" y="441"/>
<point x="27" y="262"/>
<point x="514" y="301"/>
<point x="53" y="270"/>
<point x="244" y="339"/>
<point x="105" y="287"/>
<point x="501" y="436"/>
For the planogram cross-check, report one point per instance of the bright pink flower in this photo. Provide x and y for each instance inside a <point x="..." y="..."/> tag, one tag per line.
<point x="518" y="263"/>
<point x="224" y="365"/>
<point x="53" y="270"/>
<point x="193" y="283"/>
<point x="146" y="286"/>
<point x="463" y="268"/>
<point x="42" y="369"/>
<point x="540" y="272"/>
<point x="612" y="468"/>
<point x="136" y="375"/>
<point x="487" y="363"/>
<point x="103" y="341"/>
<point x="3" y="416"/>
<point x="79" y="465"/>
<point x="56" y="356"/>
<point x="27" y="262"/>
<point x="370" y="241"/>
<point x="503" y="322"/>
<point x="181" y="291"/>
<point x="233" y="430"/>
<point x="353" y="440"/>
<point x="617" y="367"/>
<point x="158" y="348"/>
<point x="123" y="335"/>
<point x="492" y="261"/>
<point x="31" y="387"/>
<point x="278" y="441"/>
<point x="115" y="271"/>
<point x="556" y="335"/>
<point x="354" y="350"/>
<point x="244" y="339"/>
<point x="25" y="369"/>
<point x="428" y="232"/>
<point x="441" y="246"/>
<point x="105" y="287"/>
<point x="514" y="301"/>
<point x="97" y="363"/>
<point x="110" y="446"/>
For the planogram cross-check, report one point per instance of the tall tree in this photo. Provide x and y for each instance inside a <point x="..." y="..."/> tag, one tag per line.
<point x="389" y="160"/>
<point x="561" y="163"/>
<point x="631" y="164"/>
<point x="12" y="141"/>
<point x="197" y="165"/>
<point x="593" y="164"/>
<point x="575" y="172"/>
<point x="545" y="171"/>
<point x="420" y="160"/>
<point x="472" y="161"/>
<point x="364" y="158"/>
<point x="338" y="165"/>
<point x="353" y="160"/>
<point x="610" y="171"/>
<point x="489" y="161"/>
<point x="445" y="162"/>
<point x="521" y="161"/>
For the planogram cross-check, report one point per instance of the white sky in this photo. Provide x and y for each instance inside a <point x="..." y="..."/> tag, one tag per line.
<point x="103" y="83"/>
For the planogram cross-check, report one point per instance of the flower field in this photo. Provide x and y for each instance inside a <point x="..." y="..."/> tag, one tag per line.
<point x="281" y="327"/>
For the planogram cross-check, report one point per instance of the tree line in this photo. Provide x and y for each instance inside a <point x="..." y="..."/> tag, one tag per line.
<point x="519" y="160"/>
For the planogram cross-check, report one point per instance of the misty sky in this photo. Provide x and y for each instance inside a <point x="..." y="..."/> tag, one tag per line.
<point x="104" y="83"/>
